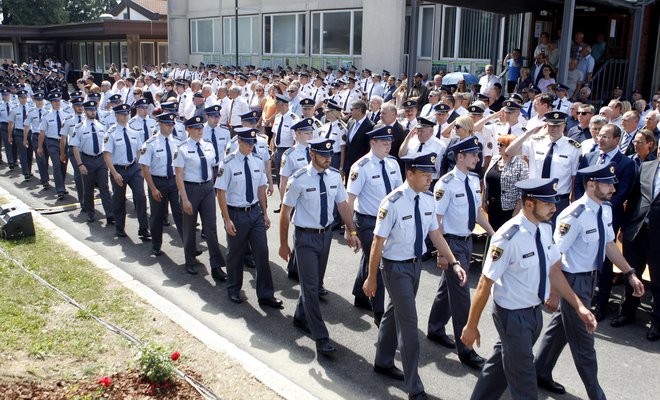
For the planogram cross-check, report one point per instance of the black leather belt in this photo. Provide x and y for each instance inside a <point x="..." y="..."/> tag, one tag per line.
<point x="312" y="230"/>
<point x="49" y="138"/>
<point x="197" y="183"/>
<point x="244" y="209"/>
<point x="87" y="155"/>
<point x="456" y="237"/>
<point x="589" y="274"/>
<point x="162" y="177"/>
<point x="408" y="261"/>
<point x="365" y="215"/>
<point x="124" y="167"/>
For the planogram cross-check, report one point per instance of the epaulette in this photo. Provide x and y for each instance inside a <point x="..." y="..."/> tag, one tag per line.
<point x="578" y="210"/>
<point x="429" y="193"/>
<point x="473" y="173"/>
<point x="229" y="158"/>
<point x="395" y="196"/>
<point x="235" y="139"/>
<point x="112" y="128"/>
<point x="363" y="161"/>
<point x="575" y="143"/>
<point x="151" y="139"/>
<point x="289" y="151"/>
<point x="79" y="124"/>
<point x="299" y="172"/>
<point x="334" y="169"/>
<point x="511" y="232"/>
<point x="447" y="178"/>
<point x="392" y="157"/>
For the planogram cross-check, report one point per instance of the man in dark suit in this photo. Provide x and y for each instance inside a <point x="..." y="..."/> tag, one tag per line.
<point x="537" y="68"/>
<point x="169" y="91"/>
<point x="357" y="142"/>
<point x="388" y="114"/>
<point x="608" y="141"/>
<point x="390" y="88"/>
<point x="629" y="123"/>
<point x="640" y="230"/>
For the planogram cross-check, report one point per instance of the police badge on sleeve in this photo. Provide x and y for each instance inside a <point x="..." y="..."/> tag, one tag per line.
<point x="496" y="253"/>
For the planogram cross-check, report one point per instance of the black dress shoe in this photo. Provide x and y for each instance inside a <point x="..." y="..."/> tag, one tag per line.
<point x="361" y="302"/>
<point x="472" y="359"/>
<point x="218" y="274"/>
<point x="110" y="220"/>
<point x="144" y="233"/>
<point x="60" y="197"/>
<point x="418" y="396"/>
<point x="198" y="252"/>
<point x="600" y="313"/>
<point x="277" y="210"/>
<point x="293" y="276"/>
<point x="323" y="346"/>
<point x="392" y="372"/>
<point x="121" y="233"/>
<point x="90" y="218"/>
<point x="301" y="325"/>
<point x="621" y="320"/>
<point x="191" y="269"/>
<point x="271" y="302"/>
<point x="653" y="333"/>
<point x="377" y="318"/>
<point x="442" y="340"/>
<point x="551" y="386"/>
<point x="323" y="291"/>
<point x="235" y="298"/>
<point x="157" y="252"/>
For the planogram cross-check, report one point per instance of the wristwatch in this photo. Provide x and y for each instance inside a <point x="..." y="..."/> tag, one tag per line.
<point x="629" y="273"/>
<point x="455" y="263"/>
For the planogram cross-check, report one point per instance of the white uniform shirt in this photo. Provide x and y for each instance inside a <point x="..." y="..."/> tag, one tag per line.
<point x="433" y="144"/>
<point x="367" y="183"/>
<point x="565" y="159"/>
<point x="231" y="178"/>
<point x="452" y="201"/>
<point x="154" y="153"/>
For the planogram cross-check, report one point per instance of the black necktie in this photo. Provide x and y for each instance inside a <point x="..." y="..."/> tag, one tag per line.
<point x="547" y="163"/>
<point x="601" y="158"/>
<point x="600" y="257"/>
<point x="40" y="116"/>
<point x="129" y="151"/>
<point x="327" y="135"/>
<point x="419" y="239"/>
<point x="324" y="200"/>
<point x="307" y="156"/>
<point x="59" y="123"/>
<point x="168" y="152"/>
<point x="79" y="118"/>
<point x="7" y="105"/>
<point x="529" y="109"/>
<point x="542" y="270"/>
<point x="202" y="161"/>
<point x="24" y="114"/>
<point x="559" y="105"/>
<point x="215" y="145"/>
<point x="249" y="191"/>
<point x="95" y="140"/>
<point x="279" y="132"/>
<point x="471" y="206"/>
<point x="386" y="178"/>
<point x="146" y="129"/>
<point x="419" y="149"/>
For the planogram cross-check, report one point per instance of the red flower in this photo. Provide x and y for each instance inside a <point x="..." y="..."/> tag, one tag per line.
<point x="105" y="381"/>
<point x="175" y="356"/>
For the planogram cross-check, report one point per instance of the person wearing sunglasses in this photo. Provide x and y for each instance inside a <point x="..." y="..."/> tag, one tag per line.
<point x="581" y="132"/>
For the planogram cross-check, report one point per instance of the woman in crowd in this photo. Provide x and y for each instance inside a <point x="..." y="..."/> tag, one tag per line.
<point x="501" y="195"/>
<point x="547" y="79"/>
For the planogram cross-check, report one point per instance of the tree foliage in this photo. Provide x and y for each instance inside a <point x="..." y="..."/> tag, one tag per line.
<point x="50" y="12"/>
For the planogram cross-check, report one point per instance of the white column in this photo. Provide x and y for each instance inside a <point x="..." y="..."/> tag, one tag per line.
<point x="383" y="24"/>
<point x="177" y="31"/>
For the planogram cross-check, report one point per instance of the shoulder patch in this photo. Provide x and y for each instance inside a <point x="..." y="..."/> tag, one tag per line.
<point x="578" y="210"/>
<point x="489" y="145"/>
<point x="575" y="143"/>
<point x="395" y="196"/>
<point x="299" y="172"/>
<point x="439" y="193"/>
<point x="511" y="232"/>
<point x="382" y="212"/>
<point x="495" y="252"/>
<point x="363" y="161"/>
<point x="289" y="151"/>
<point x="447" y="178"/>
<point x="354" y="175"/>
<point x="106" y="139"/>
<point x="229" y="158"/>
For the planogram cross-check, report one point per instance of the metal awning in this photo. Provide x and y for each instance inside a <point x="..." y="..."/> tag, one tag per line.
<point x="507" y="7"/>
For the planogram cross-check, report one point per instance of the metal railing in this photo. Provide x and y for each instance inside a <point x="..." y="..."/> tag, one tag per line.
<point x="614" y="72"/>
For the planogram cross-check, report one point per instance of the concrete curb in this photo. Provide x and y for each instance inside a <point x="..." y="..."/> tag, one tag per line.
<point x="278" y="383"/>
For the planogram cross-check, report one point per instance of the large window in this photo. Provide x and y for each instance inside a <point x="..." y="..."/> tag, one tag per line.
<point x="7" y="51"/>
<point x="467" y="33"/>
<point x="426" y="33"/>
<point x="205" y="35"/>
<point x="248" y="35"/>
<point x="337" y="33"/>
<point x="284" y="34"/>
<point x="147" y="49"/>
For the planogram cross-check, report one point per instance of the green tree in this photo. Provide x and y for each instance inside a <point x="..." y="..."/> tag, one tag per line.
<point x="34" y="12"/>
<point x="88" y="10"/>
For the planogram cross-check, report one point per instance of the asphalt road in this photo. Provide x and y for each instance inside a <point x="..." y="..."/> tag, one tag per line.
<point x="628" y="362"/>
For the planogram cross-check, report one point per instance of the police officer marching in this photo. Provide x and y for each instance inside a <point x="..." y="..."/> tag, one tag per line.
<point x="193" y="164"/>
<point x="156" y="159"/>
<point x="215" y="134"/>
<point x="87" y="140"/>
<point x="405" y="217"/>
<point x="312" y="191"/>
<point x="372" y="178"/>
<point x="142" y="122"/>
<point x="521" y="264"/>
<point x="19" y="135"/>
<point x="49" y="137"/>
<point x="66" y="150"/>
<point x="241" y="194"/>
<point x="584" y="235"/>
<point x="121" y="145"/>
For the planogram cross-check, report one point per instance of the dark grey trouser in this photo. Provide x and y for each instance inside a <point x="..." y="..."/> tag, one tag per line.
<point x="567" y="327"/>
<point x="250" y="233"/>
<point x="643" y="250"/>
<point x="134" y="180"/>
<point x="77" y="178"/>
<point x="364" y="224"/>
<point x="97" y="174"/>
<point x="59" y="168"/>
<point x="24" y="153"/>
<point x="512" y="362"/>
<point x="399" y="323"/>
<point x="42" y="161"/>
<point x="11" y="150"/>
<point x="169" y="194"/>
<point x="202" y="198"/>
<point x="452" y="300"/>
<point x="311" y="252"/>
<point x="277" y="160"/>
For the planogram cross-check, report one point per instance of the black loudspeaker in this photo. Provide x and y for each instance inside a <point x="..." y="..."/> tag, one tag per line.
<point x="15" y="221"/>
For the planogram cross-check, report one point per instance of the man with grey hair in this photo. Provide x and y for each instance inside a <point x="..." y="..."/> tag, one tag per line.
<point x="222" y="99"/>
<point x="488" y="80"/>
<point x="651" y="123"/>
<point x="374" y="109"/>
<point x="427" y="111"/>
<point x="106" y="90"/>
<point x="237" y="106"/>
<point x="209" y="97"/>
<point x="586" y="64"/>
